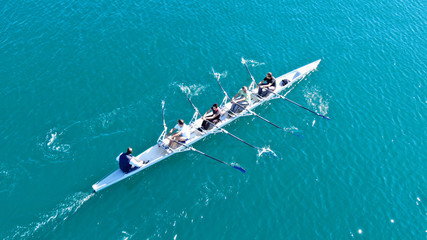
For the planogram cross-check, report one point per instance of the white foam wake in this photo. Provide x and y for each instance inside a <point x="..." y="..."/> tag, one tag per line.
<point x="53" y="219"/>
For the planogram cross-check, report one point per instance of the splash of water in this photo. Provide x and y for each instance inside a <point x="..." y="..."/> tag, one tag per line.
<point x="51" y="142"/>
<point x="54" y="218"/>
<point x="252" y="63"/>
<point x="294" y="130"/>
<point x="127" y="235"/>
<point x="266" y="150"/>
<point x="316" y="100"/>
<point x="191" y="90"/>
<point x="184" y="89"/>
<point x="219" y="75"/>
<point x="52" y="139"/>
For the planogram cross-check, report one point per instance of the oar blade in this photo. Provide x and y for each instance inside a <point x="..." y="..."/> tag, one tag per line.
<point x="325" y="117"/>
<point x="298" y="135"/>
<point x="239" y="168"/>
<point x="292" y="132"/>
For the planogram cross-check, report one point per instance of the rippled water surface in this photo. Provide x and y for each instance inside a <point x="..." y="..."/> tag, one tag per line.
<point x="80" y="81"/>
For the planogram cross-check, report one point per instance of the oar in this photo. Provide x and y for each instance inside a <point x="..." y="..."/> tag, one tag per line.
<point x="247" y="68"/>
<point x="287" y="99"/>
<point x="195" y="150"/>
<point x="163" y="112"/>
<point x="255" y="114"/>
<point x="222" y="129"/>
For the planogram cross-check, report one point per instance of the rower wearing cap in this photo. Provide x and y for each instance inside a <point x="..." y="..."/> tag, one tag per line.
<point x="182" y="134"/>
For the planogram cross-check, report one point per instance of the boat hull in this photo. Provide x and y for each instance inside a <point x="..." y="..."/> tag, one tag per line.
<point x="157" y="153"/>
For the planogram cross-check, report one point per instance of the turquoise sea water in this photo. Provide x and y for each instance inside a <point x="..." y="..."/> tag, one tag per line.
<point x="80" y="81"/>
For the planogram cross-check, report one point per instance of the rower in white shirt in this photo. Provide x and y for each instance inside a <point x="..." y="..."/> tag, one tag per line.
<point x="182" y="134"/>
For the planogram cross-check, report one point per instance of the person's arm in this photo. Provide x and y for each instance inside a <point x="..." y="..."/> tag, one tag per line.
<point x="273" y="81"/>
<point x="206" y="113"/>
<point x="243" y="98"/>
<point x="261" y="82"/>
<point x="235" y="96"/>
<point x="212" y="116"/>
<point x="135" y="162"/>
<point x="170" y="132"/>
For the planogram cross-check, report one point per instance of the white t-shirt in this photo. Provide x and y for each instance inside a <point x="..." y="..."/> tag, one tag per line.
<point x="185" y="130"/>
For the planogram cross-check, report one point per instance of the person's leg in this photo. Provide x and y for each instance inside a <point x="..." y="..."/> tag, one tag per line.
<point x="233" y="107"/>
<point x="244" y="104"/>
<point x="239" y="108"/>
<point x="268" y="92"/>
<point x="133" y="168"/>
<point x="181" y="139"/>
<point x="205" y="125"/>
<point x="172" y="143"/>
<point x="261" y="88"/>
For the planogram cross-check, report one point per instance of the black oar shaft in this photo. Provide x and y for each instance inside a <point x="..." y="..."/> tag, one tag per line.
<point x="204" y="154"/>
<point x="193" y="149"/>
<point x="255" y="114"/>
<point x="299" y="105"/>
<point x="225" y="93"/>
<point x="247" y="68"/>
<point x="234" y="136"/>
<point x="264" y="119"/>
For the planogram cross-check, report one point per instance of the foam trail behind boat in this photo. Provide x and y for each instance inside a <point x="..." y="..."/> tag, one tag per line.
<point x="53" y="219"/>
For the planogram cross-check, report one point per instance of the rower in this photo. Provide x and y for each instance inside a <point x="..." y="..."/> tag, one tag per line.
<point x="182" y="134"/>
<point x="128" y="163"/>
<point x="269" y="83"/>
<point x="214" y="118"/>
<point x="241" y="100"/>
